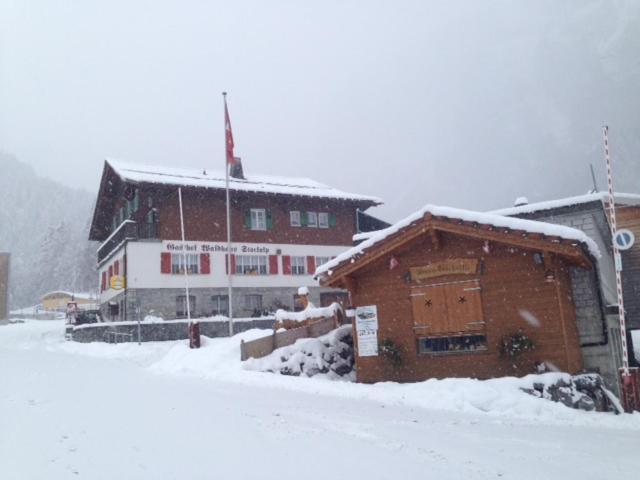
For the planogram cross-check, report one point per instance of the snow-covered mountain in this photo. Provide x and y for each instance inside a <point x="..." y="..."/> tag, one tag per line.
<point x="44" y="225"/>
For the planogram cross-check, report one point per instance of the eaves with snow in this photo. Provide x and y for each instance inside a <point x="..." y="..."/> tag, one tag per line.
<point x="204" y="178"/>
<point x="603" y="197"/>
<point x="495" y="227"/>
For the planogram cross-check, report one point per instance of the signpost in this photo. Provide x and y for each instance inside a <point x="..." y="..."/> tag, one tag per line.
<point x="630" y="388"/>
<point x="367" y="330"/>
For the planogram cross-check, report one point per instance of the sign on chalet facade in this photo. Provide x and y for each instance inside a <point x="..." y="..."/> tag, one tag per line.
<point x="282" y="228"/>
<point x="451" y="286"/>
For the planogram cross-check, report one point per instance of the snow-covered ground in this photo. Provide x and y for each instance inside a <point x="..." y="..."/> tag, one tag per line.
<point x="162" y="411"/>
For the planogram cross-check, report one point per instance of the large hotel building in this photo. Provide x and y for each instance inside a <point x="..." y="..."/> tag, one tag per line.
<point x="282" y="228"/>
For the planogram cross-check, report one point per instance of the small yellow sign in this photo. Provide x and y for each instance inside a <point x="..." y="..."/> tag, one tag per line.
<point x="453" y="266"/>
<point x="117" y="282"/>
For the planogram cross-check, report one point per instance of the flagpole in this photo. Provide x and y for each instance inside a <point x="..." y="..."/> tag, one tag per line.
<point x="229" y="284"/>
<point x="184" y="257"/>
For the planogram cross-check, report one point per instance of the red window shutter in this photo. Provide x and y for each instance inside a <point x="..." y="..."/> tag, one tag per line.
<point x="110" y="272"/>
<point x="286" y="264"/>
<point x="311" y="265"/>
<point x="273" y="264"/>
<point x="230" y="262"/>
<point x="165" y="262"/>
<point x="116" y="268"/>
<point x="103" y="284"/>
<point x="205" y="263"/>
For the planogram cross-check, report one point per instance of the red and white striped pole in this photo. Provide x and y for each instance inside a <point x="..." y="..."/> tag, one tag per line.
<point x="617" y="257"/>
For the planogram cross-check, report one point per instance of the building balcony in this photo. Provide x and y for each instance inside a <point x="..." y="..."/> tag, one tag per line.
<point x="127" y="231"/>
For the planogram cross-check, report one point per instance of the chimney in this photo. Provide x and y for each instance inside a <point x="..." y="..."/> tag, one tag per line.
<point x="236" y="169"/>
<point x="520" y="201"/>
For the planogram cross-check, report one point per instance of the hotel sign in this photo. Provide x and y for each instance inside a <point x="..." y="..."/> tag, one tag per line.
<point x="213" y="247"/>
<point x="453" y="266"/>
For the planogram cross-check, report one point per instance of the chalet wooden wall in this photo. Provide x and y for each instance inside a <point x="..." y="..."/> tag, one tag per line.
<point x="509" y="280"/>
<point x="205" y="216"/>
<point x="205" y="219"/>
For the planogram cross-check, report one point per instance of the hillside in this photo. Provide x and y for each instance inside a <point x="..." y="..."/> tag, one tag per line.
<point x="44" y="225"/>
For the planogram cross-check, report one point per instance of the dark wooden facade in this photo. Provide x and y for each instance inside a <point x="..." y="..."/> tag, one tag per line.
<point x="205" y="213"/>
<point x="520" y="284"/>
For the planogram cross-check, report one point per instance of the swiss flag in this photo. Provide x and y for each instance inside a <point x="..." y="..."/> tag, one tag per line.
<point x="228" y="134"/>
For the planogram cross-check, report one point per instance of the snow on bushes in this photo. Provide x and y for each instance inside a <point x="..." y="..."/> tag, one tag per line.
<point x="330" y="355"/>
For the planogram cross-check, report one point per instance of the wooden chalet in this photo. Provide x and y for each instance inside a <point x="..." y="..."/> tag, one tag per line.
<point x="453" y="287"/>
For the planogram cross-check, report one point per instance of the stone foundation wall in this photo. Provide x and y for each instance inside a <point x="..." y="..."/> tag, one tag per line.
<point x="162" y="302"/>
<point x="159" y="331"/>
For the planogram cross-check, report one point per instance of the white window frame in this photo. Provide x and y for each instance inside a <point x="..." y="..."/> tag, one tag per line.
<point x="258" y="219"/>
<point x="298" y="265"/>
<point x="323" y="220"/>
<point x="253" y="301"/>
<point x="295" y="219"/>
<point x="182" y="301"/>
<point x="252" y="265"/>
<point x="177" y="263"/>
<point x="312" y="219"/>
<point x="321" y="259"/>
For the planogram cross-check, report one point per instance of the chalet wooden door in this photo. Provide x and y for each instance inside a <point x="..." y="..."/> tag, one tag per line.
<point x="446" y="308"/>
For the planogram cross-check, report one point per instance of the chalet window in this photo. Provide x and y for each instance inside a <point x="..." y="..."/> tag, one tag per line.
<point x="460" y="344"/>
<point x="298" y="265"/>
<point x="323" y="220"/>
<point x="312" y="219"/>
<point x="253" y="302"/>
<point x="321" y="260"/>
<point x="450" y="311"/>
<point x="178" y="263"/>
<point x="258" y="219"/>
<point x="220" y="305"/>
<point x="294" y="217"/>
<point x="181" y="306"/>
<point x="251" y="264"/>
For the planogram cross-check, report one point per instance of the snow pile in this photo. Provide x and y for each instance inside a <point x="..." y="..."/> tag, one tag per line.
<point x="309" y="313"/>
<point x="330" y="355"/>
<point x="500" y="221"/>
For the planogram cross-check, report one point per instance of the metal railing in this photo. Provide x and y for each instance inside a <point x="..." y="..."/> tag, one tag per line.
<point x="129" y="230"/>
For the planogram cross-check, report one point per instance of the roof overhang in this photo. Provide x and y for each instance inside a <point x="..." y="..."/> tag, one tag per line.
<point x="574" y="250"/>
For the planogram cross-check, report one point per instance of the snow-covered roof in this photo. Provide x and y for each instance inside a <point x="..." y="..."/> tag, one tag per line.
<point x="358" y="237"/>
<point x="622" y="198"/>
<point x="530" y="226"/>
<point x="76" y="295"/>
<point x="205" y="178"/>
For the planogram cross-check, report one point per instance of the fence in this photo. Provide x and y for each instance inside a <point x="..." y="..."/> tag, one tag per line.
<point x="262" y="347"/>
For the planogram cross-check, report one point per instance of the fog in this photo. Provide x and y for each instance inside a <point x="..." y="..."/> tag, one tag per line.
<point x="466" y="103"/>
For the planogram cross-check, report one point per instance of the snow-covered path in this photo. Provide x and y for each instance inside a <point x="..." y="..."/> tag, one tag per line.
<point x="68" y="415"/>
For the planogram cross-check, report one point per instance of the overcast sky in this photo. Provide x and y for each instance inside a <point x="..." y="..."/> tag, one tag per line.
<point x="468" y="103"/>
